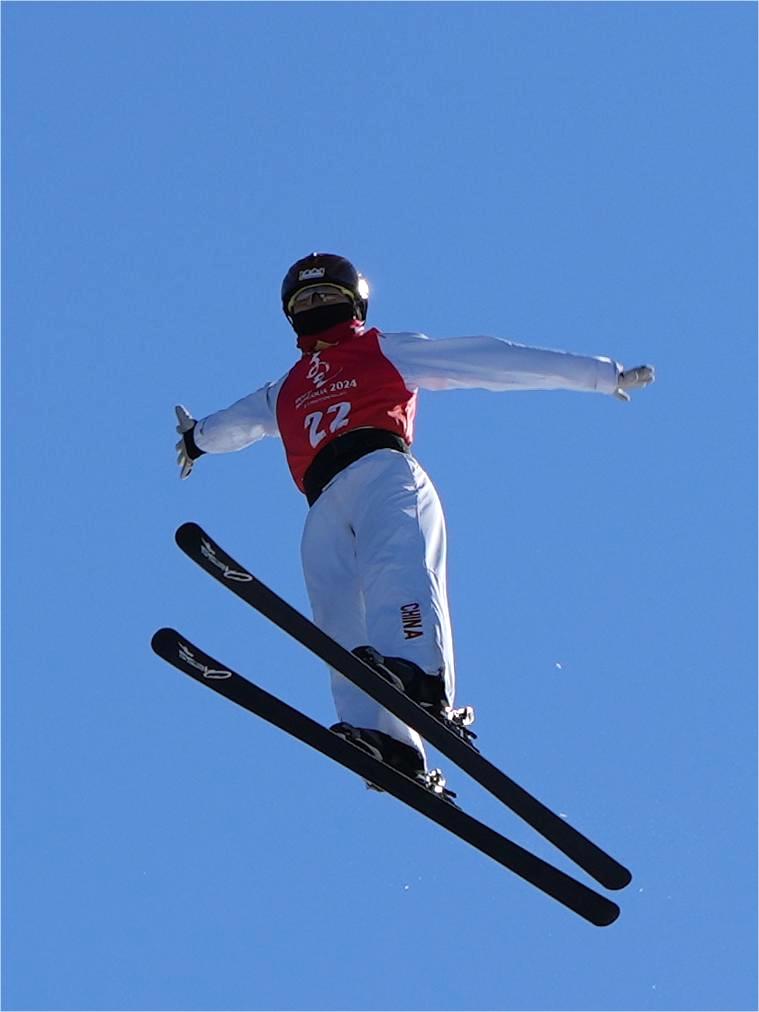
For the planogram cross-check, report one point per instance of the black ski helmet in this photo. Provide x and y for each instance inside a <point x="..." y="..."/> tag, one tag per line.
<point x="326" y="269"/>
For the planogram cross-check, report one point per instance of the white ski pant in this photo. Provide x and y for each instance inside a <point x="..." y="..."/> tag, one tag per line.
<point x="374" y="561"/>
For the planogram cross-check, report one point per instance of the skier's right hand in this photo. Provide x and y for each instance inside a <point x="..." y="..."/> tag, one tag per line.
<point x="187" y="452"/>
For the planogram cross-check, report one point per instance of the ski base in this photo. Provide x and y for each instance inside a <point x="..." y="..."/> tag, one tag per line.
<point x="178" y="651"/>
<point x="204" y="551"/>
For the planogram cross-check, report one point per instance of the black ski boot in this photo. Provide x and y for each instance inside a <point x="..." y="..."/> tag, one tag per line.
<point x="426" y="690"/>
<point x="404" y="758"/>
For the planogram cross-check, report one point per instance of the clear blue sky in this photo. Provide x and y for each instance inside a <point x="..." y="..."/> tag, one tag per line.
<point x="571" y="176"/>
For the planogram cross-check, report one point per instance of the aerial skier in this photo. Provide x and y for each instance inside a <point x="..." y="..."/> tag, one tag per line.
<point x="374" y="542"/>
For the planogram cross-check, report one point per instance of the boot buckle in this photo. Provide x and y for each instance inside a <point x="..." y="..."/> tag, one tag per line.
<point x="434" y="781"/>
<point x="459" y="721"/>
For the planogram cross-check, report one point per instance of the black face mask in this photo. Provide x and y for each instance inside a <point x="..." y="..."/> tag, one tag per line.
<point x="314" y="321"/>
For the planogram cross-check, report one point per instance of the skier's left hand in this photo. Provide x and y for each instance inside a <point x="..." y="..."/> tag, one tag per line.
<point x="633" y="379"/>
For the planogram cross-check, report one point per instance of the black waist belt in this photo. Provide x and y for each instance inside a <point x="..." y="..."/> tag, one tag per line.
<point x="343" y="451"/>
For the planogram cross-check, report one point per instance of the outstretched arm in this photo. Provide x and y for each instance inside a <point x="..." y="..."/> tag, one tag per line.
<point x="490" y="363"/>
<point x="233" y="428"/>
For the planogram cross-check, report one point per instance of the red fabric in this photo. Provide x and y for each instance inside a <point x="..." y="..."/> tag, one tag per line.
<point x="331" y="392"/>
<point x="335" y="335"/>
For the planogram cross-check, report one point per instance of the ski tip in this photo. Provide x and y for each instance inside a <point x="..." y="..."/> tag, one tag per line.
<point x="161" y="638"/>
<point x="622" y="877"/>
<point x="187" y="532"/>
<point x="605" y="916"/>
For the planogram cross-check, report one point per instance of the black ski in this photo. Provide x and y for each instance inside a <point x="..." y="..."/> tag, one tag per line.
<point x="193" y="540"/>
<point x="188" y="658"/>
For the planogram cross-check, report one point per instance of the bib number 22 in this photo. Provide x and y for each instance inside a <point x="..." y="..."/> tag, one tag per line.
<point x="339" y="420"/>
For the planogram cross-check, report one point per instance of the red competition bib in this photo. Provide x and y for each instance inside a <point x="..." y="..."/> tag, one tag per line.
<point x="328" y="393"/>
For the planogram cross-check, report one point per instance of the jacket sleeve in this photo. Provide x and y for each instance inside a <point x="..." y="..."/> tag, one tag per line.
<point x="489" y="363"/>
<point x="244" y="422"/>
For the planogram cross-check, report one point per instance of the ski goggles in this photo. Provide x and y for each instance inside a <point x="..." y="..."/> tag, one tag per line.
<point x="318" y="295"/>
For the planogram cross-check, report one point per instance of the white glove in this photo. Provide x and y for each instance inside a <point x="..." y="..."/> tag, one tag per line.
<point x="633" y="379"/>
<point x="186" y="424"/>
